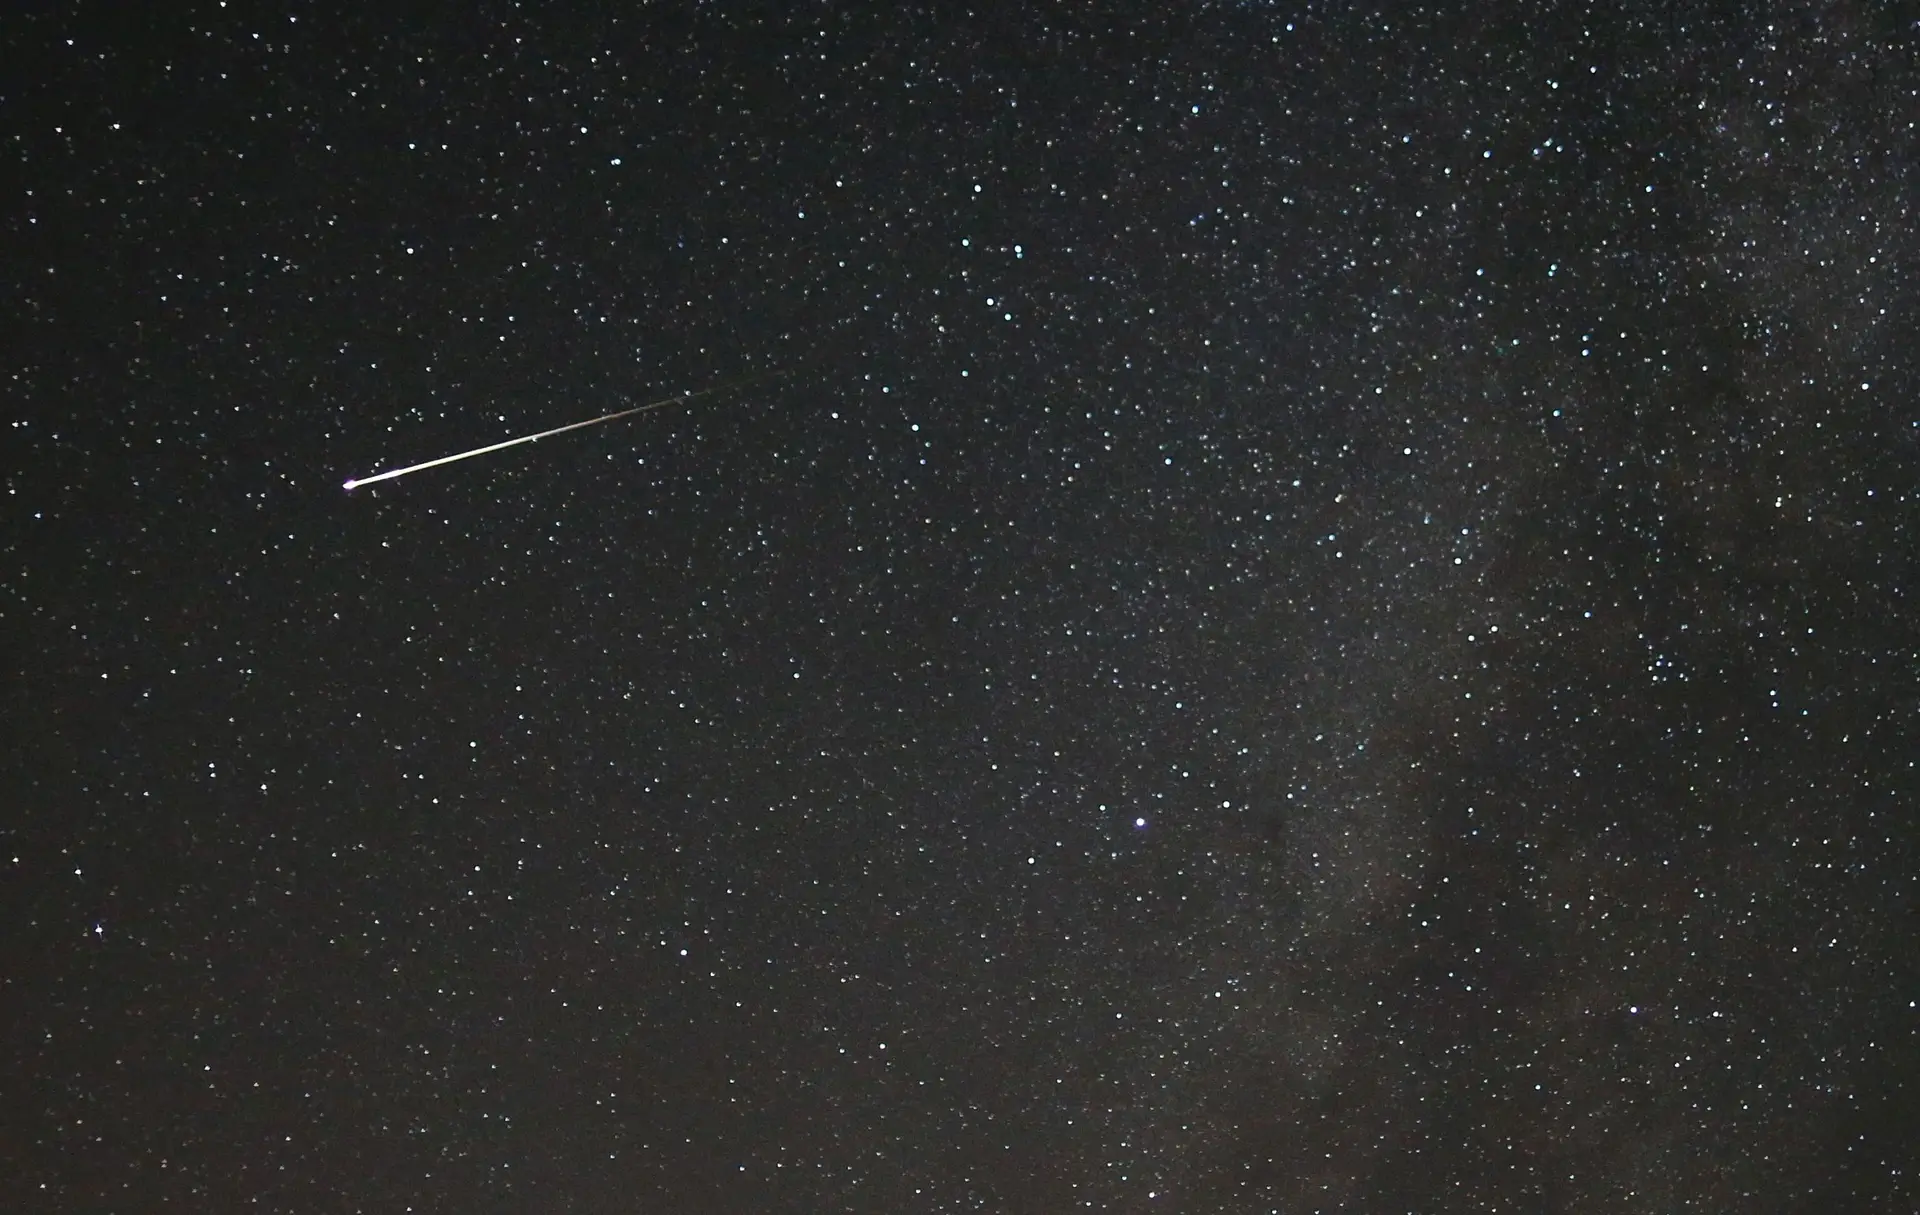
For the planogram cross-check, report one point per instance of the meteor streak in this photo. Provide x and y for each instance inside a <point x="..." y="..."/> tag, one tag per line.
<point x="662" y="403"/>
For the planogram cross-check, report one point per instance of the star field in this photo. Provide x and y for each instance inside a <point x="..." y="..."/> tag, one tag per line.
<point x="1265" y="609"/>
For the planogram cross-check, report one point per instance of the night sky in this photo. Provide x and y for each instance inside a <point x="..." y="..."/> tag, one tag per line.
<point x="1266" y="609"/>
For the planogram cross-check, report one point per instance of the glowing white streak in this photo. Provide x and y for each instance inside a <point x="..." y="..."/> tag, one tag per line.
<point x="662" y="403"/>
<point x="390" y="474"/>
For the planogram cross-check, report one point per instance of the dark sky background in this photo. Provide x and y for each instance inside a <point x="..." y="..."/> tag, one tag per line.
<point x="1320" y="614"/>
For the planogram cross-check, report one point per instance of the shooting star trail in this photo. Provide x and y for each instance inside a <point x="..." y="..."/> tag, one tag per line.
<point x="662" y="403"/>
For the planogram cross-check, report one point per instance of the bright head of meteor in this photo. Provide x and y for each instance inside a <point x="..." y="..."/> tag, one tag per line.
<point x="350" y="483"/>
